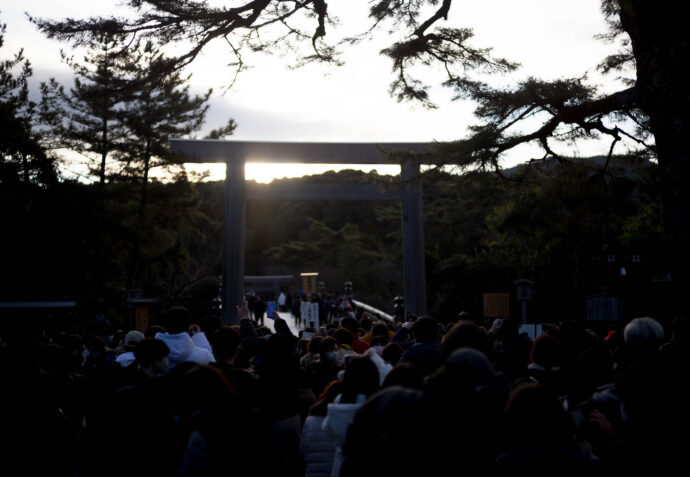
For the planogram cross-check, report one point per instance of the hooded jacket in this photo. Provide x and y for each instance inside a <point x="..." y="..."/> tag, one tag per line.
<point x="182" y="349"/>
<point x="201" y="340"/>
<point x="125" y="359"/>
<point x="338" y="418"/>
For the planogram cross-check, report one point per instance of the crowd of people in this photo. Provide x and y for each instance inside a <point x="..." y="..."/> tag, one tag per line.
<point x="356" y="397"/>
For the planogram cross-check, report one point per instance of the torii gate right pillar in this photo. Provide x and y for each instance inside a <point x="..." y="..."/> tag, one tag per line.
<point x="413" y="238"/>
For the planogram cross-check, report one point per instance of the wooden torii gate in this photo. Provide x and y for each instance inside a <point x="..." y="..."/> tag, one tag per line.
<point x="236" y="153"/>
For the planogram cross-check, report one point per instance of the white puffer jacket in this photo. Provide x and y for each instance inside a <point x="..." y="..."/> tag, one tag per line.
<point x="317" y="448"/>
<point x="338" y="418"/>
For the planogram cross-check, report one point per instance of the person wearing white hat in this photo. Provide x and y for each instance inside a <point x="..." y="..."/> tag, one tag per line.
<point x="127" y="358"/>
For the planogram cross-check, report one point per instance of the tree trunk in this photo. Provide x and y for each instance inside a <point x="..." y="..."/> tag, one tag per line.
<point x="660" y="45"/>
<point x="25" y="166"/>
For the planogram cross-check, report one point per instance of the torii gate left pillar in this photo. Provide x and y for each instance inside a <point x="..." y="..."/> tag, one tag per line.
<point x="233" y="244"/>
<point x="236" y="153"/>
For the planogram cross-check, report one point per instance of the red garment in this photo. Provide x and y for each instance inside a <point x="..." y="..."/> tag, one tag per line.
<point x="359" y="346"/>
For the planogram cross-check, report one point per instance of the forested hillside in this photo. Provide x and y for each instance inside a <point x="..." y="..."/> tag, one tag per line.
<point x="570" y="228"/>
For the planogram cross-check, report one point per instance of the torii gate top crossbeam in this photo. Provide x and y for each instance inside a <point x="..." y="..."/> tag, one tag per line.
<point x="213" y="150"/>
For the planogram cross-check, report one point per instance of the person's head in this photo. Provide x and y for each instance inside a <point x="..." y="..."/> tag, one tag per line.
<point x="210" y="323"/>
<point x="386" y="426"/>
<point x="152" y="330"/>
<point x="328" y="345"/>
<point x="380" y="329"/>
<point x="534" y="414"/>
<point x="464" y="315"/>
<point x="644" y="331"/>
<point x="314" y="344"/>
<point x="343" y="336"/>
<point x="392" y="353"/>
<point x="468" y="376"/>
<point x="132" y="338"/>
<point x="225" y="342"/>
<point x="280" y="349"/>
<point x="361" y="377"/>
<point x="195" y="388"/>
<point x="404" y="374"/>
<point x="546" y="351"/>
<point x="425" y="328"/>
<point x="152" y="353"/>
<point x="263" y="331"/>
<point x="466" y="333"/>
<point x="302" y="346"/>
<point x="350" y="323"/>
<point x="642" y="339"/>
<point x="177" y="320"/>
<point x="247" y="328"/>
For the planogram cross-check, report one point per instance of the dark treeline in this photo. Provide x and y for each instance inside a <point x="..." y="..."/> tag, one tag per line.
<point x="568" y="228"/>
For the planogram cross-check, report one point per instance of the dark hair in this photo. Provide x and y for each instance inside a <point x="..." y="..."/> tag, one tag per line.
<point x="315" y="344"/>
<point x="152" y="330"/>
<point x="425" y="328"/>
<point x="263" y="330"/>
<point x="534" y="413"/>
<point x="327" y="344"/>
<point x="225" y="341"/>
<point x="197" y="387"/>
<point x="380" y="329"/>
<point x="210" y="323"/>
<point x="404" y="374"/>
<point x="391" y="353"/>
<point x="149" y="350"/>
<point x="466" y="333"/>
<point x="378" y="341"/>
<point x="361" y="377"/>
<point x="343" y="336"/>
<point x="350" y="324"/>
<point x="177" y="319"/>
<point x="546" y="351"/>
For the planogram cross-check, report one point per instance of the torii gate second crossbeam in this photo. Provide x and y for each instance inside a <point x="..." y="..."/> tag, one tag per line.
<point x="236" y="153"/>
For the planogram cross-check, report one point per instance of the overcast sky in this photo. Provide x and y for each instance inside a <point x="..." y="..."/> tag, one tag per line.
<point x="550" y="38"/>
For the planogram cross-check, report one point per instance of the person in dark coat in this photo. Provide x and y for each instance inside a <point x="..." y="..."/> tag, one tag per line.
<point x="323" y="371"/>
<point x="259" y="310"/>
<point x="427" y="351"/>
<point x="281" y="328"/>
<point x="469" y="397"/>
